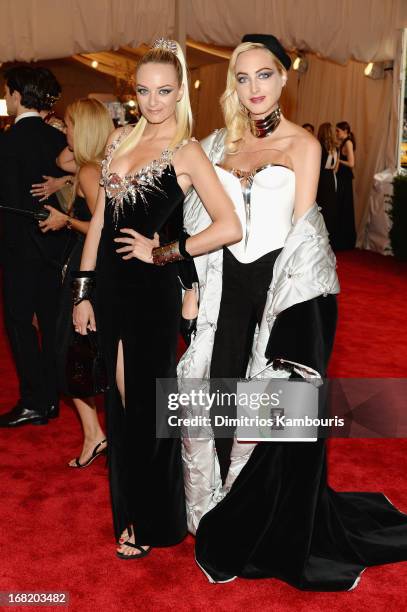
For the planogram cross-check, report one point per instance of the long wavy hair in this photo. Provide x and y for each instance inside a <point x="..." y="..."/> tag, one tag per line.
<point x="183" y="112"/>
<point x="234" y="113"/>
<point x="326" y="137"/>
<point x="344" y="125"/>
<point x="92" y="126"/>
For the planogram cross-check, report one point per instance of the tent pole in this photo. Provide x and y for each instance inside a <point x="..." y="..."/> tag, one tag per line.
<point x="402" y="84"/>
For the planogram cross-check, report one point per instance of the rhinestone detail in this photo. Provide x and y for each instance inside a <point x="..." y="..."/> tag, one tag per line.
<point x="165" y="43"/>
<point x="133" y="187"/>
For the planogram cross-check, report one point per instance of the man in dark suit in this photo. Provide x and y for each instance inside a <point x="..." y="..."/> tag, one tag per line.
<point x="31" y="259"/>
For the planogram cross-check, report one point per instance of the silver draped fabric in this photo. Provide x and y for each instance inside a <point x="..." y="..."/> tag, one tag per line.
<point x="305" y="269"/>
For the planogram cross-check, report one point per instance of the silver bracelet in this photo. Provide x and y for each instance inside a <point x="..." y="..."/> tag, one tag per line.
<point x="82" y="288"/>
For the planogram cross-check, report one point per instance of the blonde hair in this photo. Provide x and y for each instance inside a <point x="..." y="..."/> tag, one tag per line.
<point x="234" y="113"/>
<point x="326" y="137"/>
<point x="183" y="112"/>
<point x="92" y="126"/>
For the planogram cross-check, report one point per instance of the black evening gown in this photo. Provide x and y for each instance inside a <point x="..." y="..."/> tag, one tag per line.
<point x="140" y="304"/>
<point x="281" y="519"/>
<point x="65" y="328"/>
<point x="327" y="197"/>
<point x="345" y="233"/>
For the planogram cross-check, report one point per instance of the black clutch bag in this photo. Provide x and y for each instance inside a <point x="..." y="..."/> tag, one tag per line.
<point x="86" y="374"/>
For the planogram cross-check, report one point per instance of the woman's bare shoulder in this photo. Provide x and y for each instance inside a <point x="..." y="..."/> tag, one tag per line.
<point x="189" y="144"/>
<point x="301" y="141"/>
<point x="89" y="172"/>
<point x="119" y="134"/>
<point x="298" y="133"/>
<point x="189" y="150"/>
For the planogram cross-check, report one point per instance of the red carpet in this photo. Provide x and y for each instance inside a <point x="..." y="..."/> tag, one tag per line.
<point x="55" y="522"/>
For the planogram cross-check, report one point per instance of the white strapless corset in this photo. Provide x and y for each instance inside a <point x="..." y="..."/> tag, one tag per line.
<point x="264" y="201"/>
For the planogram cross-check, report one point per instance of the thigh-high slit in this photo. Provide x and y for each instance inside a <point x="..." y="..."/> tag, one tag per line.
<point x="143" y="312"/>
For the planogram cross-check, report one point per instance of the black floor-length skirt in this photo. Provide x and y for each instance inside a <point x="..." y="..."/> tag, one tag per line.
<point x="140" y="304"/>
<point x="345" y="233"/>
<point x="244" y="294"/>
<point x="282" y="520"/>
<point x="65" y="329"/>
<point x="327" y="201"/>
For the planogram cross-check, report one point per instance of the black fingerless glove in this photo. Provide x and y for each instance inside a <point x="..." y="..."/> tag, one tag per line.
<point x="188" y="327"/>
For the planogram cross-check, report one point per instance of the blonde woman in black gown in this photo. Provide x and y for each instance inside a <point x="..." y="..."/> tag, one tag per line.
<point x="88" y="127"/>
<point x="146" y="172"/>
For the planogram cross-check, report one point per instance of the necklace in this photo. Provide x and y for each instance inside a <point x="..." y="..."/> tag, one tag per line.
<point x="260" y="128"/>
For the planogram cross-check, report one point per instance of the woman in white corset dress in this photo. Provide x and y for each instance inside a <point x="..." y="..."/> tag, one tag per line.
<point x="269" y="168"/>
<point x="268" y="309"/>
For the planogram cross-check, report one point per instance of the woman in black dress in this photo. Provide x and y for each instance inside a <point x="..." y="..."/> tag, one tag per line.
<point x="327" y="184"/>
<point x="88" y="128"/>
<point x="145" y="174"/>
<point x="345" y="226"/>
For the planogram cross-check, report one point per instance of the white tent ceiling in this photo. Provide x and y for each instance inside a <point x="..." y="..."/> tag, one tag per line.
<point x="365" y="30"/>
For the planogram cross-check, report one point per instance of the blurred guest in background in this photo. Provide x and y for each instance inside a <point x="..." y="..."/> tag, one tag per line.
<point x="32" y="261"/>
<point x="345" y="234"/>
<point x="309" y="127"/>
<point x="61" y="185"/>
<point x="326" y="196"/>
<point x="88" y="128"/>
<point x="51" y="93"/>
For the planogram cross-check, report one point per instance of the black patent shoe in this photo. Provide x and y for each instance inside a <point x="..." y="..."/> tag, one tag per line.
<point x="20" y="415"/>
<point x="53" y="411"/>
<point x="188" y="327"/>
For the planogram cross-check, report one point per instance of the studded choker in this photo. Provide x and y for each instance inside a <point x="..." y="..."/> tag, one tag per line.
<point x="263" y="127"/>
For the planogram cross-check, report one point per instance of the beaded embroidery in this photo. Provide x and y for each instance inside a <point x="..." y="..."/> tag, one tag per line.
<point x="137" y="184"/>
<point x="134" y="186"/>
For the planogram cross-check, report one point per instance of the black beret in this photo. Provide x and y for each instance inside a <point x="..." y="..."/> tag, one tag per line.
<point x="272" y="44"/>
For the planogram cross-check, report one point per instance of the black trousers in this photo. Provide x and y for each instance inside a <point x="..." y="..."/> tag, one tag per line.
<point x="244" y="293"/>
<point x="32" y="287"/>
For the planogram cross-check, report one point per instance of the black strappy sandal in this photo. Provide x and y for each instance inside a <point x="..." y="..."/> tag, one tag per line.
<point x="143" y="552"/>
<point x="95" y="454"/>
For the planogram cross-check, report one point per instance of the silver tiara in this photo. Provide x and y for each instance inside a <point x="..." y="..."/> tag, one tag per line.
<point x="165" y="43"/>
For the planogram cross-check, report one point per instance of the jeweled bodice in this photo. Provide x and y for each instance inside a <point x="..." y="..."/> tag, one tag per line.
<point x="148" y="201"/>
<point x="136" y="186"/>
